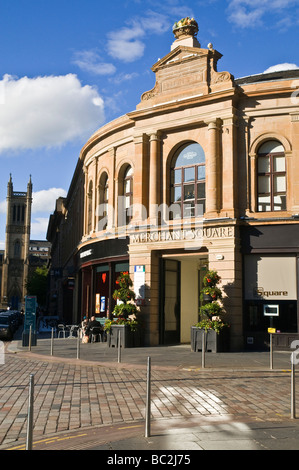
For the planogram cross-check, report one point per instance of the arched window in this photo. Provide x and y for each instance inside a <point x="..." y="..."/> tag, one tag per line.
<point x="188" y="181"/>
<point x="271" y="177"/>
<point x="89" y="208"/>
<point x="128" y="193"/>
<point x="103" y="202"/>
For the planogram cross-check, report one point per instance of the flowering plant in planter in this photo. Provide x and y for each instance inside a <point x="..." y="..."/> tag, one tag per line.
<point x="125" y="310"/>
<point x="214" y="323"/>
<point x="210" y="313"/>
<point x="210" y="310"/>
<point x="210" y="288"/>
<point x="211" y="279"/>
<point x="133" y="324"/>
<point x="213" y="292"/>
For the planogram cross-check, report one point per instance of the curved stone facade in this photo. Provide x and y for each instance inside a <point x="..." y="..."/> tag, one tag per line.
<point x="126" y="182"/>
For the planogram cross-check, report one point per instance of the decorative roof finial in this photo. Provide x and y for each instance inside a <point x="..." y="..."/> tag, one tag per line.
<point x="185" y="27"/>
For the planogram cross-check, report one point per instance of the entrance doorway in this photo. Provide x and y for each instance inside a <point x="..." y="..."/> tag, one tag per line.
<point x="181" y="281"/>
<point x="170" y="302"/>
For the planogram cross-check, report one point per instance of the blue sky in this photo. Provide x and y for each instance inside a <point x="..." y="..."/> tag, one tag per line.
<point x="68" y="67"/>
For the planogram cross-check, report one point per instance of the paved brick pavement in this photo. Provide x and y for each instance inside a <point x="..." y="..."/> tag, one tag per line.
<point x="72" y="394"/>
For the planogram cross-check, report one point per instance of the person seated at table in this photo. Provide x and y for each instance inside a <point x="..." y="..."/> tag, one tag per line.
<point x="84" y="324"/>
<point x="93" y="324"/>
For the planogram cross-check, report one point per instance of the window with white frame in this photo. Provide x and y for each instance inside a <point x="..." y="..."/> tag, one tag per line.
<point x="271" y="177"/>
<point x="188" y="181"/>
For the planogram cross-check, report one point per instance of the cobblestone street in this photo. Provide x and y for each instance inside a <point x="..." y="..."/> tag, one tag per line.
<point x="73" y="396"/>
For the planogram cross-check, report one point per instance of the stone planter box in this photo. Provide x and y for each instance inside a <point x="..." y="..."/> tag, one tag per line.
<point x="128" y="338"/>
<point x="214" y="342"/>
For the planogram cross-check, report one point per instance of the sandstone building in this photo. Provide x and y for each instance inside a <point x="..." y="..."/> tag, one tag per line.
<point x="16" y="262"/>
<point x="21" y="255"/>
<point x="202" y="174"/>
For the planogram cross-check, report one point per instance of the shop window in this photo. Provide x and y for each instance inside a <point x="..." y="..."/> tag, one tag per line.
<point x="271" y="177"/>
<point x="102" y="276"/>
<point x="188" y="182"/>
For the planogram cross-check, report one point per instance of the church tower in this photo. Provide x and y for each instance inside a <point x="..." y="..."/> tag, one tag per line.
<point x="16" y="257"/>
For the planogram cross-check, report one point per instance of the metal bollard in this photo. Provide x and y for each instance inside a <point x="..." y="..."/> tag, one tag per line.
<point x="78" y="345"/>
<point x="203" y="349"/>
<point x="148" y="400"/>
<point x="30" y="414"/>
<point x="30" y="338"/>
<point x="118" y="348"/>
<point x="52" y="341"/>
<point x="293" y="398"/>
<point x="271" y="351"/>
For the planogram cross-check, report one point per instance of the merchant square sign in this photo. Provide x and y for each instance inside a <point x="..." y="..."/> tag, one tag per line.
<point x="196" y="234"/>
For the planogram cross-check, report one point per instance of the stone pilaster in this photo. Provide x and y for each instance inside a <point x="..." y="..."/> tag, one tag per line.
<point x="154" y="180"/>
<point x="229" y="167"/>
<point x="141" y="179"/>
<point x="212" y="169"/>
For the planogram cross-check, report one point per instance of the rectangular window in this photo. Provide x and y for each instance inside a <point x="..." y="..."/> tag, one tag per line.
<point x="271" y="182"/>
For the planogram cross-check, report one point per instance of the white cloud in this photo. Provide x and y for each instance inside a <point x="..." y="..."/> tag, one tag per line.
<point x="124" y="77"/>
<point x="280" y="67"/>
<point x="3" y="207"/>
<point x="126" y="44"/>
<point x="251" y="13"/>
<point x="90" y="61"/>
<point x="155" y="22"/>
<point x="39" y="227"/>
<point x="182" y="10"/>
<point x="47" y="112"/>
<point x="44" y="201"/>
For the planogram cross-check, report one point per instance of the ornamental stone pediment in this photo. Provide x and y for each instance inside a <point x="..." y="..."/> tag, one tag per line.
<point x="186" y="72"/>
<point x="178" y="55"/>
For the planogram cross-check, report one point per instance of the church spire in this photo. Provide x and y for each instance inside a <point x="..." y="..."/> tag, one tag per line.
<point x="9" y="186"/>
<point x="29" y="187"/>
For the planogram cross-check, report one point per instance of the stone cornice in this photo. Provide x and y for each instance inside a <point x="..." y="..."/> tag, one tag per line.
<point x="184" y="102"/>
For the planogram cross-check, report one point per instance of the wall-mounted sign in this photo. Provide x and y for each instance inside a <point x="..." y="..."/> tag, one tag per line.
<point x="261" y="292"/>
<point x="271" y="310"/>
<point x="86" y="253"/>
<point x="103" y="304"/>
<point x="270" y="277"/>
<point x="183" y="235"/>
<point x="139" y="284"/>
